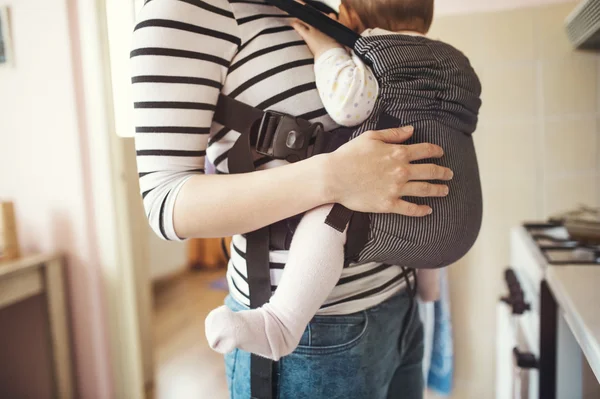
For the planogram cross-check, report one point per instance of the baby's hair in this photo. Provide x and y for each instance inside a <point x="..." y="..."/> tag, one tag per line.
<point x="394" y="15"/>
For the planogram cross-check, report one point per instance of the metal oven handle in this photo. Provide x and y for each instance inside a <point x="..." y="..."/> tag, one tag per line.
<point x="525" y="360"/>
<point x="515" y="298"/>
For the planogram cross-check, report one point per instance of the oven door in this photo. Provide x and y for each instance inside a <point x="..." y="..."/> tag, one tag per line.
<point x="525" y="369"/>
<point x="516" y="368"/>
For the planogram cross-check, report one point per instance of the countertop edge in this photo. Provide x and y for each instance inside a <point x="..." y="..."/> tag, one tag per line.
<point x="590" y="346"/>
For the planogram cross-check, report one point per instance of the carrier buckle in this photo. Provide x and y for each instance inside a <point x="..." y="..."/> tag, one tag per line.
<point x="282" y="136"/>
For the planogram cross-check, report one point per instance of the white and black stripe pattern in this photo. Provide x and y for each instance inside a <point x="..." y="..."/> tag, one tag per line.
<point x="184" y="53"/>
<point x="432" y="86"/>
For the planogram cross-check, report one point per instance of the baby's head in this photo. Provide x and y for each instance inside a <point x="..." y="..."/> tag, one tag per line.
<point x="392" y="15"/>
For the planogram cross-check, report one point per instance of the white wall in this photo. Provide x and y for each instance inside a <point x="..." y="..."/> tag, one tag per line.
<point x="165" y="258"/>
<point x="446" y="7"/>
<point x="43" y="172"/>
<point x="538" y="144"/>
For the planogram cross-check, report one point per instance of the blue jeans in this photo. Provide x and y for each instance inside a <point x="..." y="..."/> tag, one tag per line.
<point x="373" y="354"/>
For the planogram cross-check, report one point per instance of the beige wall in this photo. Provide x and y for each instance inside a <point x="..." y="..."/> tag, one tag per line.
<point x="43" y="171"/>
<point x="445" y="7"/>
<point x="165" y="258"/>
<point x="538" y="147"/>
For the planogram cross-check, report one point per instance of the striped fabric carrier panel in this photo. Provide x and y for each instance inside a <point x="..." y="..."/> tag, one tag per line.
<point x="432" y="86"/>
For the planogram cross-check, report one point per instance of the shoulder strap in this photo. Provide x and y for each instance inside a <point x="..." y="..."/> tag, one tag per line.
<point x="317" y="19"/>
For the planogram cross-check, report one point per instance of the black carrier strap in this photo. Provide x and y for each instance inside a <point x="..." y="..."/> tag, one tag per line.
<point x="244" y="119"/>
<point x="271" y="133"/>
<point x="279" y="136"/>
<point x="259" y="285"/>
<point x="340" y="216"/>
<point x="310" y="15"/>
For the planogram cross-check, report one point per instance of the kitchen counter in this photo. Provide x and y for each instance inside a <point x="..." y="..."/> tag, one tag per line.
<point x="577" y="292"/>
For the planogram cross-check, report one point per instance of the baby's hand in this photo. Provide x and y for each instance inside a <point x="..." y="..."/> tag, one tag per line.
<point x="317" y="41"/>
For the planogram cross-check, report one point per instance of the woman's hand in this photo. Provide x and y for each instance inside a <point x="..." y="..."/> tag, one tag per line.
<point x="369" y="175"/>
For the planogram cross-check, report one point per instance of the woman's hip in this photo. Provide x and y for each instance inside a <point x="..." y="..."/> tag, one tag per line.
<point x="352" y="356"/>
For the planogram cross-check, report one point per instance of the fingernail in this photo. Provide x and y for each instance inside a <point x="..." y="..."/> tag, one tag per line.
<point x="408" y="129"/>
<point x="430" y="211"/>
<point x="451" y="174"/>
<point x="446" y="191"/>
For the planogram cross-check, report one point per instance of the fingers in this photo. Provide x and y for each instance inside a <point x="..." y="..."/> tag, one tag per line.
<point x="422" y="189"/>
<point x="428" y="172"/>
<point x="392" y="136"/>
<point x="300" y="26"/>
<point x="409" y="209"/>
<point x="305" y="31"/>
<point x="412" y="152"/>
<point x="420" y="151"/>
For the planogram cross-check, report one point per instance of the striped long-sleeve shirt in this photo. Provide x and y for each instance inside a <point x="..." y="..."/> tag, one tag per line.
<point x="184" y="53"/>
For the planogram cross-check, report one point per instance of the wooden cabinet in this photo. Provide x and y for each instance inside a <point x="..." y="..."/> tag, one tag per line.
<point x="27" y="277"/>
<point x="207" y="253"/>
<point x="9" y="245"/>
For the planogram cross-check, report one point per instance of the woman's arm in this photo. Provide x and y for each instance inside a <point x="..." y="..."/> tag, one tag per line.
<point x="180" y="56"/>
<point x="367" y="174"/>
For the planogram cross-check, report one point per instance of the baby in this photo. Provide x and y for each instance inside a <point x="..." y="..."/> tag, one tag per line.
<point x="350" y="93"/>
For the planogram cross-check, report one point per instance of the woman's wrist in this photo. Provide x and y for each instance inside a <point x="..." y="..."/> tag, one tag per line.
<point x="318" y="181"/>
<point x="333" y="180"/>
<point x="325" y="178"/>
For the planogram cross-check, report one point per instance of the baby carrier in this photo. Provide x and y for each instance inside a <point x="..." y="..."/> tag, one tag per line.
<point x="434" y="241"/>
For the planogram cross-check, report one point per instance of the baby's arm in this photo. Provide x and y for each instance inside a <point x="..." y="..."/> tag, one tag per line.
<point x="346" y="85"/>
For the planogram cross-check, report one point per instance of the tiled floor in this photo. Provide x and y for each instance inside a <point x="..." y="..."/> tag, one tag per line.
<point x="186" y="368"/>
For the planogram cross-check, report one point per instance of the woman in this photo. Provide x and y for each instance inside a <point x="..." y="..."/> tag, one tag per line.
<point x="369" y="344"/>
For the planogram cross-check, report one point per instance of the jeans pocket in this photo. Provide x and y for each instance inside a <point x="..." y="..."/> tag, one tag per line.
<point x="326" y="335"/>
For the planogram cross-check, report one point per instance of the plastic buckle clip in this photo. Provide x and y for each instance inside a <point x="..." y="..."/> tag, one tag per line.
<point x="282" y="136"/>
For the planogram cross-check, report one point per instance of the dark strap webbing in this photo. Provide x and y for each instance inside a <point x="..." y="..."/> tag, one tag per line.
<point x="339" y="217"/>
<point x="261" y="377"/>
<point x="259" y="284"/>
<point x="259" y="278"/>
<point x="243" y="118"/>
<point x="357" y="237"/>
<point x="238" y="116"/>
<point x="317" y="19"/>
